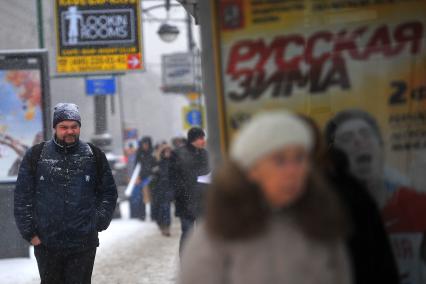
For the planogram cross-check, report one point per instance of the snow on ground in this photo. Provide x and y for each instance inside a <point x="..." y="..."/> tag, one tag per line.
<point x="135" y="254"/>
<point x="18" y="271"/>
<point x="131" y="252"/>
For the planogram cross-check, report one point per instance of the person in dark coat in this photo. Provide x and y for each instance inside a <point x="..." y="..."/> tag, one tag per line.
<point x="63" y="198"/>
<point x="144" y="156"/>
<point x="186" y="165"/>
<point x="163" y="193"/>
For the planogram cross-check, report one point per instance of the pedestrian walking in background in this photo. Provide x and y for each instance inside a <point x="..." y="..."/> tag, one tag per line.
<point x="130" y="153"/>
<point x="178" y="142"/>
<point x="65" y="194"/>
<point x="154" y="198"/>
<point x="163" y="193"/>
<point x="186" y="165"/>
<point x="144" y="156"/>
<point x="271" y="218"/>
<point x="368" y="244"/>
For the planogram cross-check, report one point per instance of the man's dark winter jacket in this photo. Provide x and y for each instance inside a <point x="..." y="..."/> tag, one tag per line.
<point x="65" y="203"/>
<point x="186" y="165"/>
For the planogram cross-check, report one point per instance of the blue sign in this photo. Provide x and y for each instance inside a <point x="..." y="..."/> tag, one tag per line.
<point x="194" y="117"/>
<point x="100" y="87"/>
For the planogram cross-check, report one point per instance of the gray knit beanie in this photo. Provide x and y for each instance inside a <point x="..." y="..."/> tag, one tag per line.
<point x="66" y="111"/>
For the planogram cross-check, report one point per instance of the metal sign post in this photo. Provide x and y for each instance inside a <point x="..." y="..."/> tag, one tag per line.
<point x="99" y="88"/>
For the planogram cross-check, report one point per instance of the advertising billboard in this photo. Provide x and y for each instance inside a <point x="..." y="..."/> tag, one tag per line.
<point x="360" y="64"/>
<point x="98" y="36"/>
<point x="24" y="107"/>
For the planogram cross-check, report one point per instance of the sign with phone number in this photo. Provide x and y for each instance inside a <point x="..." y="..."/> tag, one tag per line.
<point x="98" y="36"/>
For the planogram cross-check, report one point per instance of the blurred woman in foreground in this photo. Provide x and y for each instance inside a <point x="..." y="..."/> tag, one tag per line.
<point x="270" y="217"/>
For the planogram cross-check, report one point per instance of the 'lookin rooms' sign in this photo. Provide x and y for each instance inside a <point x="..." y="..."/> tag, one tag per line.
<point x="97" y="27"/>
<point x="98" y="36"/>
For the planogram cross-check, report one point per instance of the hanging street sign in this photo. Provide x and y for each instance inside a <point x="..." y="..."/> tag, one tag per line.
<point x="181" y="73"/>
<point x="192" y="117"/>
<point x="100" y="86"/>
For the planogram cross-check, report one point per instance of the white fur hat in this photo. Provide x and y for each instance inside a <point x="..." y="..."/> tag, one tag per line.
<point x="266" y="133"/>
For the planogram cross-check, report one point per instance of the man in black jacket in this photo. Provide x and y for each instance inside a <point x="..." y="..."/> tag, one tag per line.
<point x="65" y="194"/>
<point x="186" y="165"/>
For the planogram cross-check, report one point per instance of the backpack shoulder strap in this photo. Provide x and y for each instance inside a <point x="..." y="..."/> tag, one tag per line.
<point x="35" y="157"/>
<point x="98" y="159"/>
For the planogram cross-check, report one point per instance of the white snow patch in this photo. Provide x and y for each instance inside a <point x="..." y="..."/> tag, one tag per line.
<point x="19" y="271"/>
<point x="24" y="270"/>
<point x="66" y="107"/>
<point x="120" y="230"/>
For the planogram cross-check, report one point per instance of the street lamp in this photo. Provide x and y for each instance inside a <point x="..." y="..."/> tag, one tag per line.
<point x="168" y="33"/>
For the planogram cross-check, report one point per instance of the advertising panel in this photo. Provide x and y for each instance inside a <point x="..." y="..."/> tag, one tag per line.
<point x="98" y="36"/>
<point x="362" y="63"/>
<point x="23" y="99"/>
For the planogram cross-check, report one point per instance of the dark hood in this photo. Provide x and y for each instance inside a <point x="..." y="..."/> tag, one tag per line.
<point x="146" y="139"/>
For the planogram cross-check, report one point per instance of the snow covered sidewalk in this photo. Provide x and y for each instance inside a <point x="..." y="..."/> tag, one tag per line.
<point x="131" y="252"/>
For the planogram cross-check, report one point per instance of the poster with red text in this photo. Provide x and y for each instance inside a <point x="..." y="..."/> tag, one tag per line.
<point x="360" y="63"/>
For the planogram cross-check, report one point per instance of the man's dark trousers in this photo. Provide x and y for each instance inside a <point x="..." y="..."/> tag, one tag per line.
<point x="65" y="266"/>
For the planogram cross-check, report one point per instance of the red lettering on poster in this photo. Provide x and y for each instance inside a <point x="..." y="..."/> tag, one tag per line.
<point x="258" y="65"/>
